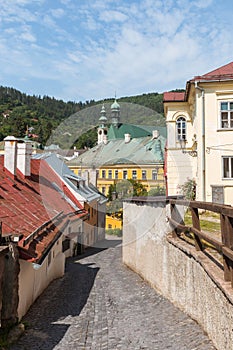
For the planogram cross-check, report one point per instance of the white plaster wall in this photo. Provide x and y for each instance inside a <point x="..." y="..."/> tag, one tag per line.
<point x="177" y="273"/>
<point x="180" y="167"/>
<point x="33" y="281"/>
<point x="218" y="142"/>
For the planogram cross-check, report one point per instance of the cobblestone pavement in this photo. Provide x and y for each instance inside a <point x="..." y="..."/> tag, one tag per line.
<point x="100" y="304"/>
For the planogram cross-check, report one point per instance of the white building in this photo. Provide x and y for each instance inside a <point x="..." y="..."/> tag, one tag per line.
<point x="200" y="136"/>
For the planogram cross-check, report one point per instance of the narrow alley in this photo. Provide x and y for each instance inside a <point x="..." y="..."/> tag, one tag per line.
<point x="101" y="304"/>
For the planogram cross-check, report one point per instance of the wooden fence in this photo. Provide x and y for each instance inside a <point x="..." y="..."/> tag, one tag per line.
<point x="224" y="245"/>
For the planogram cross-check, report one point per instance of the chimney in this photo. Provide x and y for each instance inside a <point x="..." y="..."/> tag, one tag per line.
<point x="24" y="158"/>
<point x="10" y="156"/>
<point x="85" y="176"/>
<point x="155" y="134"/>
<point x="127" y="138"/>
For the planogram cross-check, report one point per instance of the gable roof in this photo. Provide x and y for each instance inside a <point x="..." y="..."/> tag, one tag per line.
<point x="35" y="209"/>
<point x="144" y="150"/>
<point x="222" y="73"/>
<point x="84" y="191"/>
<point x="135" y="131"/>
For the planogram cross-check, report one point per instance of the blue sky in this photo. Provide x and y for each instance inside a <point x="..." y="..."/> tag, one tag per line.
<point x="89" y="49"/>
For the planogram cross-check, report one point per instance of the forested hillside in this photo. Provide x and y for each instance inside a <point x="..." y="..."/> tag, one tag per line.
<point x="37" y="116"/>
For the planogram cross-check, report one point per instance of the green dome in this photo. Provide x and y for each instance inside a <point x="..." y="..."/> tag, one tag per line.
<point x="115" y="105"/>
<point x="103" y="119"/>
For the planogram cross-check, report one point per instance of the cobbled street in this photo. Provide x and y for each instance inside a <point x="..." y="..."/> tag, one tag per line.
<point x="101" y="304"/>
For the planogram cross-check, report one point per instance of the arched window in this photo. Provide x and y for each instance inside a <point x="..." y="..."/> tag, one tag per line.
<point x="181" y="128"/>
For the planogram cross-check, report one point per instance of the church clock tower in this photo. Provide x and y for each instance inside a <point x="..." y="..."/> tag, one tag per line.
<point x="102" y="129"/>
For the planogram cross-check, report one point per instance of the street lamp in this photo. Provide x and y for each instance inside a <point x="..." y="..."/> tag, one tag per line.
<point x="192" y="152"/>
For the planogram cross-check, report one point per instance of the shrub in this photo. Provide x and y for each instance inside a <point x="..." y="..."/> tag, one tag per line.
<point x="114" y="232"/>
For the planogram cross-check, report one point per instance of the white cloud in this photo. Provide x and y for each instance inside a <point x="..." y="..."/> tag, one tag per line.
<point x="96" y="47"/>
<point x="57" y="13"/>
<point x="109" y="16"/>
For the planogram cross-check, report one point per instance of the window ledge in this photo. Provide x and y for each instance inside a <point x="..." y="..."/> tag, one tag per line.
<point x="225" y="129"/>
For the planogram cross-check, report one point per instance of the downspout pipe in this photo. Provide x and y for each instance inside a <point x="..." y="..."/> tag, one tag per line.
<point x="203" y="142"/>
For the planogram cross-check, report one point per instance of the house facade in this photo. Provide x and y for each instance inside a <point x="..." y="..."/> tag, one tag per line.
<point x="37" y="218"/>
<point x="200" y="136"/>
<point x="88" y="196"/>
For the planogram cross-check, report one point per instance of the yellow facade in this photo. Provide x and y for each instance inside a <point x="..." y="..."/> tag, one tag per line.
<point x="113" y="222"/>
<point x="150" y="176"/>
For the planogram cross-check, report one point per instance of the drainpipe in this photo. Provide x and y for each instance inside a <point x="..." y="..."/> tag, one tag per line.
<point x="203" y="142"/>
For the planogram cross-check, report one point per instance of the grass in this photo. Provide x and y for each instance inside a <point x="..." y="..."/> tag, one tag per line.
<point x="208" y="222"/>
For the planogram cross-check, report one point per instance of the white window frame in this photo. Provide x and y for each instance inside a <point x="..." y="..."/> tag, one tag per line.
<point x="228" y="111"/>
<point x="144" y="175"/>
<point x="230" y="166"/>
<point x="134" y="174"/>
<point x="154" y="174"/>
<point x="182" y="134"/>
<point x="125" y="174"/>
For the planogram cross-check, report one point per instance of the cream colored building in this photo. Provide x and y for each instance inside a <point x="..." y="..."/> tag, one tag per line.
<point x="200" y="136"/>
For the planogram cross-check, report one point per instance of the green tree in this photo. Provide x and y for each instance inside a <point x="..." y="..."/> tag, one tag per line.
<point x="188" y="189"/>
<point x="157" y="191"/>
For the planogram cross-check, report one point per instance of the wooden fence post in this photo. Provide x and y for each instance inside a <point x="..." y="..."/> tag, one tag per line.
<point x="196" y="225"/>
<point x="227" y="240"/>
<point x="173" y="216"/>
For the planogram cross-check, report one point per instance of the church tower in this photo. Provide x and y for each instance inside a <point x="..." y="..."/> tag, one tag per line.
<point x="102" y="129"/>
<point x="115" y="113"/>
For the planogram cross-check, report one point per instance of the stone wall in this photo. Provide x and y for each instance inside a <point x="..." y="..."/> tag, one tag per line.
<point x="175" y="269"/>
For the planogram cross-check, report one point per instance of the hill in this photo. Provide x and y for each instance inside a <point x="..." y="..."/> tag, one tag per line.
<point x="48" y="120"/>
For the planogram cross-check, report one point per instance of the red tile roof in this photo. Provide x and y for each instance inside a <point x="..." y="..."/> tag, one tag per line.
<point x="173" y="96"/>
<point x="222" y="73"/>
<point x="26" y="204"/>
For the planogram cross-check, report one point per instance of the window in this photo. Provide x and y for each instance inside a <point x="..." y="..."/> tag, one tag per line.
<point x="181" y="128"/>
<point x="125" y="174"/>
<point x="228" y="167"/>
<point x="103" y="190"/>
<point x="103" y="174"/>
<point x="116" y="174"/>
<point x="134" y="174"/>
<point x="110" y="174"/>
<point x="109" y="226"/>
<point x="143" y="174"/>
<point x="154" y="174"/>
<point x="226" y="115"/>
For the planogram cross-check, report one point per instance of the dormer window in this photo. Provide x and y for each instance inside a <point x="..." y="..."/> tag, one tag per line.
<point x="226" y="115"/>
<point x="181" y="128"/>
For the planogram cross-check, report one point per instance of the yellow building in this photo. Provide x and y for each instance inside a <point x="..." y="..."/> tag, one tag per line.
<point x="113" y="222"/>
<point x="123" y="152"/>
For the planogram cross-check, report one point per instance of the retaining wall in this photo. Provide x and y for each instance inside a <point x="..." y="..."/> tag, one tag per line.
<point x="174" y="268"/>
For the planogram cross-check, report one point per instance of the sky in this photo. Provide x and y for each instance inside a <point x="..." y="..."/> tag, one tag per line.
<point x="78" y="50"/>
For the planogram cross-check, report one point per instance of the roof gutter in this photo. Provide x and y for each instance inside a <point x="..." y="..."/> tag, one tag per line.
<point x="203" y="162"/>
